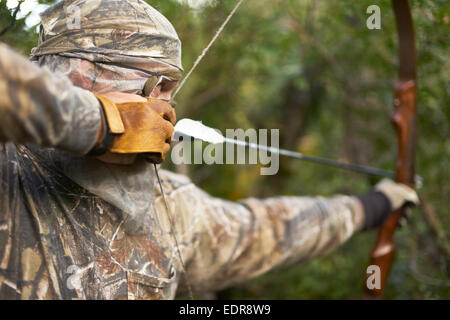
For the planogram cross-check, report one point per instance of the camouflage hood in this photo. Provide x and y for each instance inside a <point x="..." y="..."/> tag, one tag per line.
<point x="120" y="32"/>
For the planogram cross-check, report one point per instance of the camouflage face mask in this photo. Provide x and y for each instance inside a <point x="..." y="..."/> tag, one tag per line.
<point x="101" y="78"/>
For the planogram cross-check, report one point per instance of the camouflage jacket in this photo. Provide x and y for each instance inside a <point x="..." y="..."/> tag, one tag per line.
<point x="64" y="237"/>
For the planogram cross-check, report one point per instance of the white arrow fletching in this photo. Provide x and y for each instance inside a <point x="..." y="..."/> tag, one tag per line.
<point x="197" y="130"/>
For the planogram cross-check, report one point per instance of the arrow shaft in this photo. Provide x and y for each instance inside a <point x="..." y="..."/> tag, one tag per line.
<point x="319" y="160"/>
<point x="196" y="130"/>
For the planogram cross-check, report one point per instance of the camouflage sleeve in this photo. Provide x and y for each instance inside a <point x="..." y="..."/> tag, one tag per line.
<point x="38" y="106"/>
<point x="236" y="241"/>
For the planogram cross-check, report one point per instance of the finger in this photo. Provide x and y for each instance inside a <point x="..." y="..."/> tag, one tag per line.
<point x="166" y="149"/>
<point x="171" y="116"/>
<point x="169" y="130"/>
<point x="164" y="109"/>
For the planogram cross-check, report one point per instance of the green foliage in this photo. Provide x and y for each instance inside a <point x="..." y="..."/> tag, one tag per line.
<point x="313" y="69"/>
<point x="16" y="33"/>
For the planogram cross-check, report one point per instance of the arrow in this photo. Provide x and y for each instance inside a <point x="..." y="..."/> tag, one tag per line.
<point x="191" y="129"/>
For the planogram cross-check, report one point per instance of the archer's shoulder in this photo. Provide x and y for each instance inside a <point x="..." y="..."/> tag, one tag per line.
<point x="173" y="181"/>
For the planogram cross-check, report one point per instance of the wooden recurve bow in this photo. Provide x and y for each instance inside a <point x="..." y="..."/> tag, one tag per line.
<point x="404" y="121"/>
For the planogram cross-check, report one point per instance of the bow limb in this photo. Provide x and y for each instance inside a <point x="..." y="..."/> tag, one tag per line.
<point x="404" y="120"/>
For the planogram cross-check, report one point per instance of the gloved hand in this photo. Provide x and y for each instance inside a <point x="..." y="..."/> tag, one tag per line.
<point x="399" y="194"/>
<point x="135" y="125"/>
<point x="386" y="197"/>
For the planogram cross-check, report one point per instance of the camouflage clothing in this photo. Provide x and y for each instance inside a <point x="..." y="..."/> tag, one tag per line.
<point x="75" y="228"/>
<point x="30" y="111"/>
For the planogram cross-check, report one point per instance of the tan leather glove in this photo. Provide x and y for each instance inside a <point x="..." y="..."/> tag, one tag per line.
<point x="139" y="127"/>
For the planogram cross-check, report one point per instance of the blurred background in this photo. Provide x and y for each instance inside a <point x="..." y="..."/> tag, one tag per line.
<point x="313" y="70"/>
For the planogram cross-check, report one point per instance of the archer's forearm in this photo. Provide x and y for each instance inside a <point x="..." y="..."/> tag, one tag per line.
<point x="237" y="241"/>
<point x="38" y="106"/>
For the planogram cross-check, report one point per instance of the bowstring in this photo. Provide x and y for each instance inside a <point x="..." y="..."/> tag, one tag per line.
<point x="174" y="234"/>
<point x="205" y="51"/>
<point x="183" y="82"/>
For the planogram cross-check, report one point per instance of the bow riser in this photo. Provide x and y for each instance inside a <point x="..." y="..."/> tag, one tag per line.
<point x="404" y="119"/>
